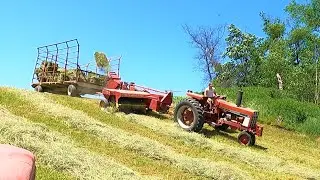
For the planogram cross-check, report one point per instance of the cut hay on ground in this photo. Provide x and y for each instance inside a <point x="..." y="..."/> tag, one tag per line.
<point x="57" y="151"/>
<point x="142" y="145"/>
<point x="248" y="156"/>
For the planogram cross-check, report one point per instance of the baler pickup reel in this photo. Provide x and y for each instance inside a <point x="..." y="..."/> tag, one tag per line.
<point x="191" y="114"/>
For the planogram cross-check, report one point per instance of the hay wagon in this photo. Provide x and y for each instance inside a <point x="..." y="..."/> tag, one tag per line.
<point x="57" y="70"/>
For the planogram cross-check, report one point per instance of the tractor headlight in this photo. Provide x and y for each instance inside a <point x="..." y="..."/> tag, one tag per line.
<point x="246" y="122"/>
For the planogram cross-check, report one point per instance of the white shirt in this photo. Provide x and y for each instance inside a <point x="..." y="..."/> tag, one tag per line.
<point x="210" y="92"/>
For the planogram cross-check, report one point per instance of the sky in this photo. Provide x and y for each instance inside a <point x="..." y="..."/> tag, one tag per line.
<point x="155" y="50"/>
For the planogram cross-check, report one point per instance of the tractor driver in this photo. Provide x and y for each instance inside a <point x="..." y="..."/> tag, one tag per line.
<point x="210" y="92"/>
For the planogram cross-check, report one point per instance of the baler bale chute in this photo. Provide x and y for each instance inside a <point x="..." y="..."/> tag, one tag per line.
<point x="129" y="97"/>
<point x="192" y="112"/>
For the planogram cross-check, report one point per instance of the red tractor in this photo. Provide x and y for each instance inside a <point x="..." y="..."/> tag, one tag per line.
<point x="192" y="112"/>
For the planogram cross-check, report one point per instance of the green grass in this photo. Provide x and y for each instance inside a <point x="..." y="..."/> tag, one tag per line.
<point x="17" y="102"/>
<point x="146" y="147"/>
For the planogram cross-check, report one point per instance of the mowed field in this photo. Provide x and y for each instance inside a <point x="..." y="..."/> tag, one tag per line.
<point x="73" y="139"/>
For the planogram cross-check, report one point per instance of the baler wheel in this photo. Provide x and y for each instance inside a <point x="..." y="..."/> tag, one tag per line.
<point x="189" y="115"/>
<point x="103" y="104"/>
<point x="245" y="138"/>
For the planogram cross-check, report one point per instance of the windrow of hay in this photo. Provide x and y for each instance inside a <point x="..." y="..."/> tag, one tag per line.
<point x="57" y="151"/>
<point x="248" y="156"/>
<point x="143" y="145"/>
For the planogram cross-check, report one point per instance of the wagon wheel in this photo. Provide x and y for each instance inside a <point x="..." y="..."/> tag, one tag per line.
<point x="38" y="88"/>
<point x="246" y="138"/>
<point x="189" y="115"/>
<point x="72" y="91"/>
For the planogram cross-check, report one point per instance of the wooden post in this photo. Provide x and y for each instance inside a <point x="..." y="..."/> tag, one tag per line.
<point x="279" y="81"/>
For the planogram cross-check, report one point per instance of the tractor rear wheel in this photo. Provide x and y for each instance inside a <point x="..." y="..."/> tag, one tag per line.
<point x="189" y="115"/>
<point x="246" y="138"/>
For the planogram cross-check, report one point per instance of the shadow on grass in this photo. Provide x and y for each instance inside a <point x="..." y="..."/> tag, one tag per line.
<point x="159" y="115"/>
<point x="226" y="134"/>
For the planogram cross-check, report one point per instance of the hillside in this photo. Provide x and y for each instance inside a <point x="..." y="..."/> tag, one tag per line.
<point x="73" y="139"/>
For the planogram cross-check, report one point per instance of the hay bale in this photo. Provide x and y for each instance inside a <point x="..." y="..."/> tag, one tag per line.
<point x="48" y="66"/>
<point x="102" y="61"/>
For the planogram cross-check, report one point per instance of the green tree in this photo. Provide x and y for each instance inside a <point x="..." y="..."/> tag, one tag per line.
<point x="275" y="51"/>
<point x="305" y="14"/>
<point x="243" y="51"/>
<point x="303" y="41"/>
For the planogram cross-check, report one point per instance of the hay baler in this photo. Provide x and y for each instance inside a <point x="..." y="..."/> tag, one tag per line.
<point x="129" y="97"/>
<point x="192" y="112"/>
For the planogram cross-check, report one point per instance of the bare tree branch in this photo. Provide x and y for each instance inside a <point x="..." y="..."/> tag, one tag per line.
<point x="208" y="42"/>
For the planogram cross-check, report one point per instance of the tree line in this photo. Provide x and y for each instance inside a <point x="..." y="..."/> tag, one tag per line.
<point x="288" y="54"/>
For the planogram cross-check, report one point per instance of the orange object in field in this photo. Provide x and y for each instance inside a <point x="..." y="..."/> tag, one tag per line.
<point x="16" y="163"/>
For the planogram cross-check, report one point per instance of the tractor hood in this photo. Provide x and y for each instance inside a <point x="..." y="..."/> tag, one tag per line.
<point x="233" y="108"/>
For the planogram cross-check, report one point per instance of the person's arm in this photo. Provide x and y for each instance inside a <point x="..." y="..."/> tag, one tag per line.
<point x="206" y="92"/>
<point x="214" y="91"/>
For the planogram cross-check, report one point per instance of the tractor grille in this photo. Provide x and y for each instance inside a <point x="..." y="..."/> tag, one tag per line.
<point x="254" y="119"/>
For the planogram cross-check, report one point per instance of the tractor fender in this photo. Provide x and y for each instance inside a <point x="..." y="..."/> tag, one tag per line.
<point x="16" y="163"/>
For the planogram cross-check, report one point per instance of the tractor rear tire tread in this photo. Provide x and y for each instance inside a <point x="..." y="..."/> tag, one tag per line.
<point x="195" y="105"/>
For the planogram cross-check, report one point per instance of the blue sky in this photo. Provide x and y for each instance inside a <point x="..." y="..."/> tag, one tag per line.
<point x="148" y="34"/>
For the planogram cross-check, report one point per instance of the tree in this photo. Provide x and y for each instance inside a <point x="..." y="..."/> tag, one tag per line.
<point x="208" y="42"/>
<point x="305" y="14"/>
<point x="243" y="50"/>
<point x="303" y="41"/>
<point x="275" y="51"/>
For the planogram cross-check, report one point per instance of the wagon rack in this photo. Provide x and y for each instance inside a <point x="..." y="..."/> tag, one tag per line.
<point x="57" y="70"/>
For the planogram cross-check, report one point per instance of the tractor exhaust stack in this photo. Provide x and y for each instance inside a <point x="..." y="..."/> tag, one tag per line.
<point x="239" y="98"/>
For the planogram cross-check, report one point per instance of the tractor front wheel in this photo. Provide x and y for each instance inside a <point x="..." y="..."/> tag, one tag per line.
<point x="189" y="115"/>
<point x="246" y="138"/>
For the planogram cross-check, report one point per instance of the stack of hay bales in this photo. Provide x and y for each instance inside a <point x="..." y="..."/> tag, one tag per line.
<point x="50" y="72"/>
<point x="96" y="79"/>
<point x="46" y="72"/>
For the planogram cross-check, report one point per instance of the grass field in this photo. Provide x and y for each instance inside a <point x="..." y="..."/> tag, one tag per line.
<point x="73" y="139"/>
